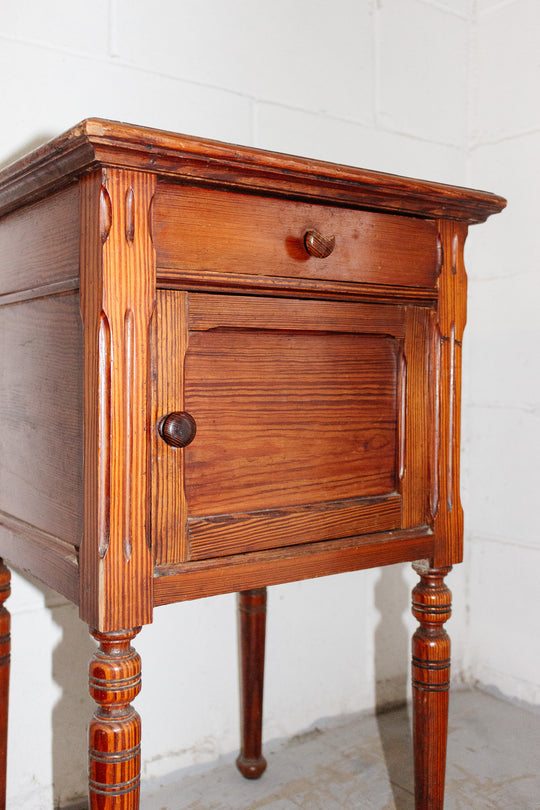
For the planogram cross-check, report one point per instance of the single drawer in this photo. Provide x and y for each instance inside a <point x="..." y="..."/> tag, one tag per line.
<point x="199" y="229"/>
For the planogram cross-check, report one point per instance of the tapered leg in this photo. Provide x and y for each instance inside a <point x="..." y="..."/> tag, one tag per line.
<point x="431" y="605"/>
<point x="115" y="730"/>
<point x="5" y="647"/>
<point x="252" y="615"/>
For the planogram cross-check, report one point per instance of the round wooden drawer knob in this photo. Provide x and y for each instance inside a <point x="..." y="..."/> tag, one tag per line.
<point x="318" y="245"/>
<point x="178" y="429"/>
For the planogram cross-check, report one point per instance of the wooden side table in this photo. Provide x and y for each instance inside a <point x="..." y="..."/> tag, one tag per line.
<point x="223" y="369"/>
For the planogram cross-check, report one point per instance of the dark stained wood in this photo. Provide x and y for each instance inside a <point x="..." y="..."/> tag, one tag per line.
<point x="431" y="606"/>
<point x="5" y="657"/>
<point x="115" y="729"/>
<point x="95" y="141"/>
<point x="117" y="302"/>
<point x="41" y="404"/>
<point x="252" y="632"/>
<point x="39" y="245"/>
<point x="193" y="580"/>
<point x="178" y="429"/>
<point x="255" y="235"/>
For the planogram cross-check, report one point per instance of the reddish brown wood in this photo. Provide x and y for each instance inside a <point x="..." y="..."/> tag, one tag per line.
<point x="282" y="437"/>
<point x="169" y="509"/>
<point x="243" y="312"/>
<point x="252" y="629"/>
<point x="304" y="288"/>
<point x="193" y="580"/>
<point x="447" y="329"/>
<point x="325" y="389"/>
<point x="115" y="730"/>
<point x="431" y="606"/>
<point x="110" y="142"/>
<point x="229" y="230"/>
<point x="238" y="533"/>
<point x="117" y="301"/>
<point x="5" y="652"/>
<point x="414" y="440"/>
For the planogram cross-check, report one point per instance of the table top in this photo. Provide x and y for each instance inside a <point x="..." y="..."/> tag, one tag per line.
<point x="96" y="142"/>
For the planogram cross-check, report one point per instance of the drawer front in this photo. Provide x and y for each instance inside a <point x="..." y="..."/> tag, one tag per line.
<point x="300" y="423"/>
<point x="196" y="229"/>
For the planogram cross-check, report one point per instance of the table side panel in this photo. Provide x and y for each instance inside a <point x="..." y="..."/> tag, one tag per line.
<point x="39" y="244"/>
<point x="41" y="402"/>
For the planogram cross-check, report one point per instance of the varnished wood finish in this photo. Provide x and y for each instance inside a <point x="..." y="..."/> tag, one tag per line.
<point x="448" y="325"/>
<point x="117" y="303"/>
<point x="431" y="606"/>
<point x="44" y="556"/>
<point x="41" y="421"/>
<point x="169" y="509"/>
<point x="256" y="235"/>
<point x="39" y="245"/>
<point x="222" y="535"/>
<point x="5" y="656"/>
<point x="252" y="633"/>
<point x="323" y="373"/>
<point x="176" y="583"/>
<point x="115" y="730"/>
<point x="318" y="245"/>
<point x="415" y="418"/>
<point x="178" y="429"/>
<point x="282" y="437"/>
<point x="96" y="142"/>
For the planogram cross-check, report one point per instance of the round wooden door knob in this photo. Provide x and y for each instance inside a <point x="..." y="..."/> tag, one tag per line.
<point x="178" y="429"/>
<point x="318" y="245"/>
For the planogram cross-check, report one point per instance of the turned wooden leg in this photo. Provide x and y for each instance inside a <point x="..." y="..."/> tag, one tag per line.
<point x="115" y="730"/>
<point x="431" y="605"/>
<point x="5" y="646"/>
<point x="252" y="615"/>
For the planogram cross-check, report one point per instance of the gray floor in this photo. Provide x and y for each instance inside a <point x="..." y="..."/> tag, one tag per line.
<point x="493" y="762"/>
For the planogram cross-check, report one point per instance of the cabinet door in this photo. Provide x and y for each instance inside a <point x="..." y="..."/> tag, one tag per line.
<point x="301" y="418"/>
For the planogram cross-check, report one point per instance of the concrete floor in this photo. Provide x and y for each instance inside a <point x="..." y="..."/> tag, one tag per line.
<point x="366" y="764"/>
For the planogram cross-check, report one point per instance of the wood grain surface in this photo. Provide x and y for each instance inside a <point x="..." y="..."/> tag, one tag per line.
<point x="117" y="304"/>
<point x="97" y="141"/>
<point x="257" y="235"/>
<point x="39" y="245"/>
<point x="196" y="579"/>
<point x="41" y="420"/>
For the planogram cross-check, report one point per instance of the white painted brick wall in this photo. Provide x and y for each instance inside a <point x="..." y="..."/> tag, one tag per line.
<point x="502" y="402"/>
<point x="405" y="86"/>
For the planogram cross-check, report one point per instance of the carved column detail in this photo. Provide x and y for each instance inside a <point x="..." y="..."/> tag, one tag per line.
<point x="431" y="606"/>
<point x="5" y="655"/>
<point x="115" y="730"/>
<point x="252" y="620"/>
<point x="117" y="306"/>
<point x="447" y="333"/>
